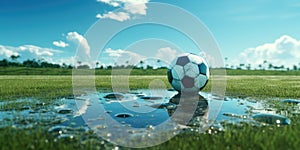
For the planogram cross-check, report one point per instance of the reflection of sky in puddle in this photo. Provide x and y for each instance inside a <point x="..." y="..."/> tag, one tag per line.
<point x="143" y="114"/>
<point x="138" y="120"/>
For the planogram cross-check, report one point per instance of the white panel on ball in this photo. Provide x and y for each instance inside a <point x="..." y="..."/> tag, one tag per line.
<point x="177" y="72"/>
<point x="191" y="70"/>
<point x="200" y="81"/>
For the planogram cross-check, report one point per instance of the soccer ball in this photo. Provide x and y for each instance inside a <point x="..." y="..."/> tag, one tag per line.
<point x="188" y="73"/>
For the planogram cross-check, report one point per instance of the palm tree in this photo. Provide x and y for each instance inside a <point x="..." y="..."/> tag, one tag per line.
<point x="270" y="66"/>
<point x="142" y="64"/>
<point x="248" y="66"/>
<point x="241" y="66"/>
<point x="265" y="63"/>
<point x="226" y="62"/>
<point x="295" y="67"/>
<point x="260" y="67"/>
<point x="159" y="63"/>
<point x="127" y="64"/>
<point x="97" y="64"/>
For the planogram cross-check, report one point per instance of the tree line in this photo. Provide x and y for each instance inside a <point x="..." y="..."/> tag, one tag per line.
<point x="263" y="66"/>
<point x="33" y="63"/>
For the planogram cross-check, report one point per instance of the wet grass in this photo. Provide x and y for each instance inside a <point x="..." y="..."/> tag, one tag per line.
<point x="240" y="138"/>
<point x="235" y="137"/>
<point x="38" y="138"/>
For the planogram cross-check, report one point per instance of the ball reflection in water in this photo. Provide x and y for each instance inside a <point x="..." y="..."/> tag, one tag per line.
<point x="191" y="110"/>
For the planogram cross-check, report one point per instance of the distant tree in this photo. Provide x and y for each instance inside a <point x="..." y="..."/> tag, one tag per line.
<point x="295" y="67"/>
<point x="226" y="62"/>
<point x="83" y="67"/>
<point x="97" y="64"/>
<point x="260" y="67"/>
<point x="232" y="67"/>
<point x="127" y="63"/>
<point x="149" y="67"/>
<point x="109" y="67"/>
<point x="64" y="65"/>
<point x="270" y="66"/>
<point x="241" y="66"/>
<point x="70" y="67"/>
<point x="14" y="57"/>
<point x="159" y="63"/>
<point x="265" y="64"/>
<point x="31" y="63"/>
<point x="4" y="63"/>
<point x="141" y="64"/>
<point x="248" y="66"/>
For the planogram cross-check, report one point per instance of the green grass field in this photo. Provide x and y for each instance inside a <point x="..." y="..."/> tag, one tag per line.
<point x="64" y="71"/>
<point x="258" y="86"/>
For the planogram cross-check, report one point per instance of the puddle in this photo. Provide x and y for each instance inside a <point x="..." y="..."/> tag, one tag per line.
<point x="140" y="113"/>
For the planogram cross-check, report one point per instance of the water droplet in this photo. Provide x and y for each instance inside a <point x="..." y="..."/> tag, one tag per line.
<point x="66" y="136"/>
<point x="108" y="134"/>
<point x="150" y="127"/>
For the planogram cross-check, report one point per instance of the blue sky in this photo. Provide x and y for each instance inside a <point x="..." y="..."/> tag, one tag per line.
<point x="247" y="31"/>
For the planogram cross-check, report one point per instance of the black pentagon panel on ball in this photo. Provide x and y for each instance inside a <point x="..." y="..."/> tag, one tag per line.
<point x="202" y="68"/>
<point x="183" y="60"/>
<point x="170" y="76"/>
<point x="188" y="82"/>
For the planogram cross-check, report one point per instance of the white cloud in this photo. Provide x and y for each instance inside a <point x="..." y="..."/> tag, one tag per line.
<point x="81" y="43"/>
<point x="7" y="51"/>
<point x="139" y="9"/>
<point x="32" y="50"/>
<point x="166" y="54"/>
<point x="60" y="44"/>
<point x="67" y="60"/>
<point x="110" y="2"/>
<point x="38" y="51"/>
<point x="122" y="57"/>
<point x="131" y="7"/>
<point x="283" y="51"/>
<point x="119" y="16"/>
